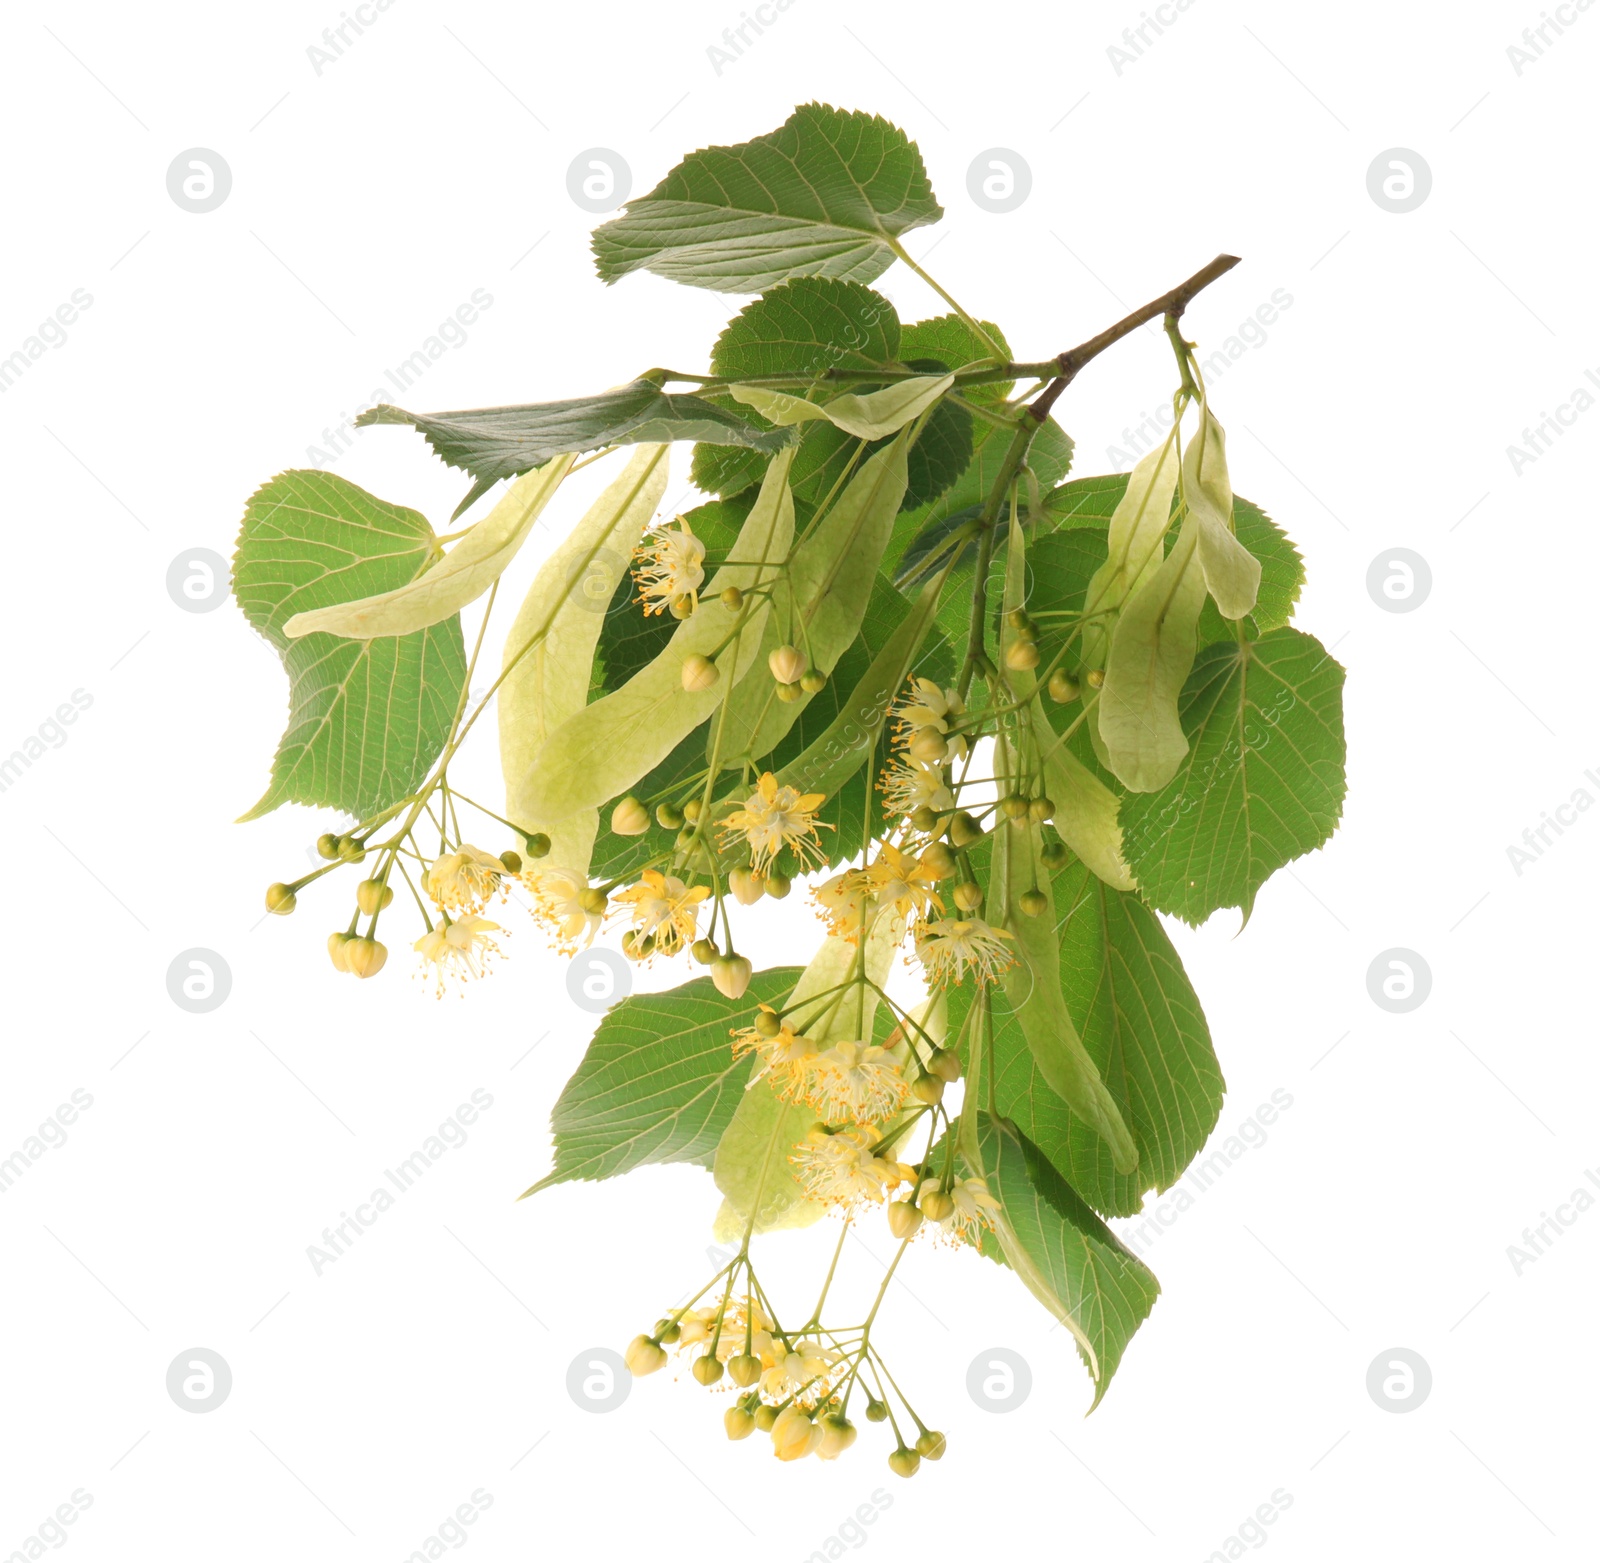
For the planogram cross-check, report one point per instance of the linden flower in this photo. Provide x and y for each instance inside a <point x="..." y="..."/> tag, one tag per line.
<point x="463" y="880"/>
<point x="785" y="1059"/>
<point x="844" y="900"/>
<point x="948" y="947"/>
<point x="842" y="1169"/>
<point x="460" y="949"/>
<point x="904" y="882"/>
<point x="795" y="1435"/>
<point x="775" y="817"/>
<point x="555" y="893"/>
<point x="930" y="706"/>
<point x="855" y="1081"/>
<point x="665" y="908"/>
<point x="698" y="1325"/>
<point x="972" y="1207"/>
<point x="803" y="1372"/>
<point x="909" y="784"/>
<point x="672" y="568"/>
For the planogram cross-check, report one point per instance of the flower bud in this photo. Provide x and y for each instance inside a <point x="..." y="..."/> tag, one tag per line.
<point x="931" y="1445"/>
<point x="929" y="745"/>
<point x="1033" y="902"/>
<point x="1063" y="687"/>
<point x="969" y="896"/>
<point x="669" y="816"/>
<point x="1053" y="854"/>
<point x="964" y="830"/>
<point x="737" y="1423"/>
<point x="1041" y="809"/>
<point x="365" y="957"/>
<point x="699" y="673"/>
<point x="336" y="945"/>
<point x="1018" y="619"/>
<point x="707" y="1369"/>
<point x="877" y="1411"/>
<point x="946" y="1064"/>
<point x="693" y="809"/>
<point x="767" y="1022"/>
<point x="327" y="846"/>
<point x="731" y="974"/>
<point x="372" y="895"/>
<point x="765" y="1416"/>
<point x="789" y="693"/>
<point x="1022" y="655"/>
<point x="351" y="850"/>
<point x="732" y="598"/>
<point x="838" y="1433"/>
<point x="511" y="862"/>
<point x="813" y="680"/>
<point x="668" y="1333"/>
<point x="924" y="819"/>
<point x="1095" y="677"/>
<point x="777" y="884"/>
<point x="927" y="1088"/>
<point x="538" y="844"/>
<point x="904" y="1220"/>
<point x="644" y="1356"/>
<point x="744" y="1369"/>
<point x="937" y="1205"/>
<point x="938" y="860"/>
<point x="794" y="1434"/>
<point x="593" y="901"/>
<point x="637" y="948"/>
<point x="630" y="818"/>
<point x="787" y="664"/>
<point x="904" y="1462"/>
<point x="681" y="606"/>
<point x="704" y="951"/>
<point x="1014" y="806"/>
<point x="280" y="899"/>
<point x="747" y="885"/>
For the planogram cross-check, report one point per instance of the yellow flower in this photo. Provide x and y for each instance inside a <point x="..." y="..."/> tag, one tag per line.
<point x="460" y="949"/>
<point x="897" y="879"/>
<point x="845" y="900"/>
<point x="948" y="947"/>
<point x="972" y="1208"/>
<point x="929" y="706"/>
<point x="795" y="1435"/>
<point x="841" y="1168"/>
<point x="664" y="908"/>
<point x="555" y="893"/>
<point x="775" y="817"/>
<point x="672" y="569"/>
<point x="697" y="1326"/>
<point x="461" y="881"/>
<point x="909" y="784"/>
<point x="805" y="1373"/>
<point x="856" y="1081"/>
<point x="785" y="1058"/>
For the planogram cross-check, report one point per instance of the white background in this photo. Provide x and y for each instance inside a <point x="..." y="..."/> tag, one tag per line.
<point x="370" y="200"/>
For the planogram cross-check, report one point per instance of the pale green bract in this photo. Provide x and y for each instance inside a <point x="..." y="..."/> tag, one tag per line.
<point x="461" y="577"/>
<point x="550" y="647"/>
<point x="873" y="416"/>
<point x="1233" y="575"/>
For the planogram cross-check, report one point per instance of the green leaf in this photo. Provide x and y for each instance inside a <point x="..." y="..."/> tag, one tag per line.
<point x="1262" y="784"/>
<point x="940" y="455"/>
<point x="615" y="740"/>
<point x="823" y="195"/>
<point x="659" y="1082"/>
<point x="448" y="585"/>
<point x="949" y="343"/>
<point x="1063" y="1253"/>
<point x="500" y="442"/>
<point x="367" y="719"/>
<point x="1086" y="502"/>
<point x="550" y="647"/>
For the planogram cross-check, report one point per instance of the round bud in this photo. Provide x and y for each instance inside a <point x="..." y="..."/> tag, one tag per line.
<point x="927" y="1088"/>
<point x="704" y="951"/>
<point x="767" y="1023"/>
<point x="372" y="895"/>
<point x="1018" y="619"/>
<point x="747" y="886"/>
<point x="931" y="1445"/>
<point x="904" y="1462"/>
<point x="964" y="830"/>
<point x="946" y="1064"/>
<point x="732" y="598"/>
<point x="336" y="944"/>
<point x="351" y="850"/>
<point x="787" y="663"/>
<point x="969" y="896"/>
<point x="744" y="1369"/>
<point x="693" y="809"/>
<point x="1022" y="655"/>
<point x="365" y="957"/>
<point x="1014" y="806"/>
<point x="938" y="860"/>
<point x="1053" y="854"/>
<point x="686" y="838"/>
<point x="643" y="1356"/>
<point x="737" y="1423"/>
<point x="937" y="1205"/>
<point x="1041" y="809"/>
<point x="838" y="1433"/>
<point x="669" y="1333"/>
<point x="731" y="974"/>
<point x="280" y="899"/>
<point x="1095" y="678"/>
<point x="681" y="606"/>
<point x="699" y="673"/>
<point x="629" y="817"/>
<point x="924" y="819"/>
<point x="593" y="901"/>
<point x="777" y="884"/>
<point x="930" y="746"/>
<point x="538" y="844"/>
<point x="765" y="1416"/>
<point x="1033" y="902"/>
<point x="1063" y="687"/>
<point x="904" y="1219"/>
<point x="877" y="1411"/>
<point x="327" y="846"/>
<point x="813" y="680"/>
<point x="707" y="1370"/>
<point x="511" y="862"/>
<point x="788" y="693"/>
<point x="636" y="948"/>
<point x="669" y="816"/>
